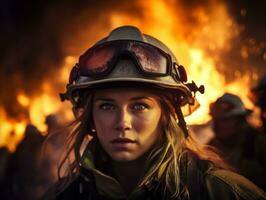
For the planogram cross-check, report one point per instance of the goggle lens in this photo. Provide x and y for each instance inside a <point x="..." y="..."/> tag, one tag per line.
<point x="151" y="60"/>
<point x="98" y="60"/>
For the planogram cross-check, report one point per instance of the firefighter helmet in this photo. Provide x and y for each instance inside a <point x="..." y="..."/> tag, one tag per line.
<point x="148" y="63"/>
<point x="228" y="105"/>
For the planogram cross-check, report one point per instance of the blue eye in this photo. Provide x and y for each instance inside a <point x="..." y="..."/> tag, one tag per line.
<point x="107" y="106"/>
<point x="140" y="106"/>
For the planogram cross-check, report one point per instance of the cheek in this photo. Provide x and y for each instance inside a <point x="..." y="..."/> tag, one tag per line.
<point x="103" y="127"/>
<point x="147" y="124"/>
<point x="103" y="122"/>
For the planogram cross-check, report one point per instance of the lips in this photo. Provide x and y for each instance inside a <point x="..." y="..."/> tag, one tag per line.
<point x="122" y="140"/>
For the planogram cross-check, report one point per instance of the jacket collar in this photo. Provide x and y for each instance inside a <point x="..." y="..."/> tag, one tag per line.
<point x="107" y="185"/>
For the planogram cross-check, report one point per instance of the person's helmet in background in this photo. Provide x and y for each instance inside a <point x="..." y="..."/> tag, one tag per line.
<point x="228" y="105"/>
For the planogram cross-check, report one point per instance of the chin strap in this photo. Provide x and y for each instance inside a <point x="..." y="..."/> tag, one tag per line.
<point x="181" y="121"/>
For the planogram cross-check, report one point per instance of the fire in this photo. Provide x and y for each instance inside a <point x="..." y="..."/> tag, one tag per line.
<point x="203" y="69"/>
<point x="207" y="29"/>
<point x="39" y="107"/>
<point x="214" y="31"/>
<point x="11" y="131"/>
<point x="23" y="100"/>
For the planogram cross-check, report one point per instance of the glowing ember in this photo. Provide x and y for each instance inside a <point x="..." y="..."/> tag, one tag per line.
<point x="23" y="100"/>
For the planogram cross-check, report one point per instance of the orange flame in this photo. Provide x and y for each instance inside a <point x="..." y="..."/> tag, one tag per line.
<point x="214" y="30"/>
<point x="11" y="131"/>
<point x="39" y="107"/>
<point x="23" y="100"/>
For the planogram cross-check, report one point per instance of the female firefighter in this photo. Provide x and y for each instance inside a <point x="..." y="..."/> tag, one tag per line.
<point x="127" y="92"/>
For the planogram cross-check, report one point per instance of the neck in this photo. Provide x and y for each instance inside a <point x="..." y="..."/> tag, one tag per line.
<point x="129" y="173"/>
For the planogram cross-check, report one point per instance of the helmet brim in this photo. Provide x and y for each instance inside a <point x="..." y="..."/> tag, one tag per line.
<point x="174" y="89"/>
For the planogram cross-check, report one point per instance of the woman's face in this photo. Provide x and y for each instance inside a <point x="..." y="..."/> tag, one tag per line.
<point x="126" y="122"/>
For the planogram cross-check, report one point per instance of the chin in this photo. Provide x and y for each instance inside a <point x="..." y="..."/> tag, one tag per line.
<point x="123" y="157"/>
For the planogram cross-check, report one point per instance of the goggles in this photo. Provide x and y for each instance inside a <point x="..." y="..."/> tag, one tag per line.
<point x="101" y="59"/>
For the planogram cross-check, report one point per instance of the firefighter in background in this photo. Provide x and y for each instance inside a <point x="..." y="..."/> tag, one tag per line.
<point x="242" y="145"/>
<point x="4" y="156"/>
<point x="24" y="177"/>
<point x="52" y="149"/>
<point x="258" y="96"/>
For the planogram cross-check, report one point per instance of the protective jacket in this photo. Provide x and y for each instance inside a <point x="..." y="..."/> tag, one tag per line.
<point x="201" y="182"/>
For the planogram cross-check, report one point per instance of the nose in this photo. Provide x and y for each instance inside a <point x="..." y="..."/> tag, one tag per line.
<point x="123" y="120"/>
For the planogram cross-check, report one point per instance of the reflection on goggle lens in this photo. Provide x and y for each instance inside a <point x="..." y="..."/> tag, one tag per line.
<point x="101" y="59"/>
<point x="150" y="58"/>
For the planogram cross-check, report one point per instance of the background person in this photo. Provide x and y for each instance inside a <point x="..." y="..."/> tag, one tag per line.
<point x="53" y="147"/>
<point x="24" y="177"/>
<point x="242" y="145"/>
<point x="258" y="96"/>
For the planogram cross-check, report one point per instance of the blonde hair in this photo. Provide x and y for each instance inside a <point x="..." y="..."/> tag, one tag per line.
<point x="168" y="172"/>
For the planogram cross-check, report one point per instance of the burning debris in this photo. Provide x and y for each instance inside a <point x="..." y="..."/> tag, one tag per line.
<point x="42" y="44"/>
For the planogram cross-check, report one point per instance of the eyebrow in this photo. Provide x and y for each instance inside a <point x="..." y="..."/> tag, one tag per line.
<point x="140" y="98"/>
<point x="103" y="99"/>
<point x="132" y="99"/>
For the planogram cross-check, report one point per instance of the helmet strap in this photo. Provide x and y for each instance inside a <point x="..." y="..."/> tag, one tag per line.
<point x="181" y="121"/>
